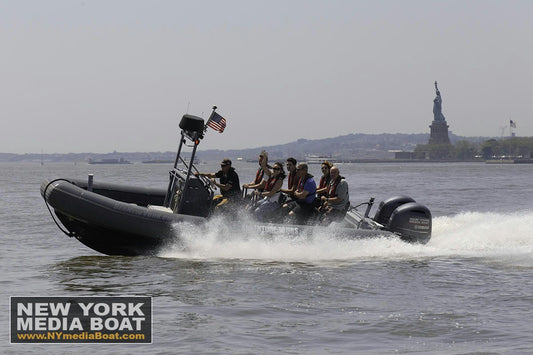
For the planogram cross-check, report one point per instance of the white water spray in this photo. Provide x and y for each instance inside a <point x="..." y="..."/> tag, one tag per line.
<point x="470" y="234"/>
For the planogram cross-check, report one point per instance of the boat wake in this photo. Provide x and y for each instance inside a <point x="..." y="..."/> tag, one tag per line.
<point x="494" y="236"/>
<point x="466" y="235"/>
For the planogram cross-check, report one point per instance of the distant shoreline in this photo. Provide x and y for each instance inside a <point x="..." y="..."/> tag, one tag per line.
<point x="338" y="161"/>
<point x="353" y="147"/>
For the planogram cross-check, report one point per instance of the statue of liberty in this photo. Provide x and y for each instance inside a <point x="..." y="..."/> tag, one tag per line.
<point x="437" y="106"/>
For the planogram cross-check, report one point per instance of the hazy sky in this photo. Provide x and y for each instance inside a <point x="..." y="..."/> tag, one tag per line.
<point x="98" y="76"/>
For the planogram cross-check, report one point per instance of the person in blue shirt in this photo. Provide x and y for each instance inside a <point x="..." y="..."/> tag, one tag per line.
<point x="302" y="208"/>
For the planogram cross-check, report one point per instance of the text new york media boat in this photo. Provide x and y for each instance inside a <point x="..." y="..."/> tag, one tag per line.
<point x="117" y="219"/>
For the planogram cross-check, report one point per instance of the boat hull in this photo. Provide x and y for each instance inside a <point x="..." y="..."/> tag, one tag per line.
<point x="111" y="226"/>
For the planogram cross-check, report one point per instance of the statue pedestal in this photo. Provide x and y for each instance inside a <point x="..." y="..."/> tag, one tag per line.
<point x="439" y="133"/>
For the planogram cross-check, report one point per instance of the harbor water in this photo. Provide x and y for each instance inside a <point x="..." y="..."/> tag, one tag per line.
<point x="469" y="290"/>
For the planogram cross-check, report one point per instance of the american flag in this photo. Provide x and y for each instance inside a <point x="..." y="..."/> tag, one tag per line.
<point x="217" y="122"/>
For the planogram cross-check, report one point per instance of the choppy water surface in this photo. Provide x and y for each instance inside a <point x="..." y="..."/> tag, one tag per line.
<point x="468" y="290"/>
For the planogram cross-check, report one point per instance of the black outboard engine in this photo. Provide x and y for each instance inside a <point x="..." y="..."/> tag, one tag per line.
<point x="403" y="216"/>
<point x="388" y="206"/>
<point x="412" y="221"/>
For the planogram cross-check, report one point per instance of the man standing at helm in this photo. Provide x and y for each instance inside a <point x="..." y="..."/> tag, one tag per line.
<point x="230" y="190"/>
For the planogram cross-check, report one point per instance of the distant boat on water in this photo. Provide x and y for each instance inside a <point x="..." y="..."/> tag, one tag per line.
<point x="166" y="161"/>
<point x="110" y="161"/>
<point x="510" y="160"/>
<point x="318" y="159"/>
<point x="157" y="161"/>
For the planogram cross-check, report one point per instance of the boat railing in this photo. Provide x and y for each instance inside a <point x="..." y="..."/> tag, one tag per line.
<point x="192" y="128"/>
<point x="363" y="221"/>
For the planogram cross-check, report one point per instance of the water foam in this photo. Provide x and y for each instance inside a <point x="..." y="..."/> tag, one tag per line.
<point x="476" y="234"/>
<point x="470" y="234"/>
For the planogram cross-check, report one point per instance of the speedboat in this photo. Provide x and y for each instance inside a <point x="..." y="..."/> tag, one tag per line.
<point x="116" y="219"/>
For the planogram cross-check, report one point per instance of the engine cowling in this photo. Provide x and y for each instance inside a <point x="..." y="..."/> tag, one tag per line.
<point x="412" y="222"/>
<point x="388" y="206"/>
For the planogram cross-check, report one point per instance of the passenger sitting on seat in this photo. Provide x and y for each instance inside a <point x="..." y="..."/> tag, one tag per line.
<point x="229" y="184"/>
<point x="259" y="183"/>
<point x="336" y="201"/>
<point x="292" y="181"/>
<point x="302" y="208"/>
<point x="324" y="182"/>
<point x="324" y="179"/>
<point x="271" y="194"/>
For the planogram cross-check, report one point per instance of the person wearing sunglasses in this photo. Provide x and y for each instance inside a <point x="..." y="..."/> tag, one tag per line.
<point x="270" y="196"/>
<point x="324" y="179"/>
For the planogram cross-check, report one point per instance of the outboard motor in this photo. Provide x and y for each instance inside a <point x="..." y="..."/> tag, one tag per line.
<point x="412" y="222"/>
<point x="388" y="206"/>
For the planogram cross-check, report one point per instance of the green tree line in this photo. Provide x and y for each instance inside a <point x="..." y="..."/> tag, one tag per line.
<point x="465" y="150"/>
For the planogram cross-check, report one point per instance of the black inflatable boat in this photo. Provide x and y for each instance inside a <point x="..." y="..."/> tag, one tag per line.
<point x="126" y="220"/>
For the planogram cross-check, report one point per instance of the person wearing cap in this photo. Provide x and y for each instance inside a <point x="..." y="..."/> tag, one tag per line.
<point x="228" y="184"/>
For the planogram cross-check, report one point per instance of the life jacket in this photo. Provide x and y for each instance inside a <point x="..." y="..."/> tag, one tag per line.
<point x="332" y="187"/>
<point x="269" y="186"/>
<point x="290" y="181"/>
<point x="324" y="181"/>
<point x="270" y="183"/>
<point x="302" y="182"/>
<point x="259" y="176"/>
<point x="308" y="200"/>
